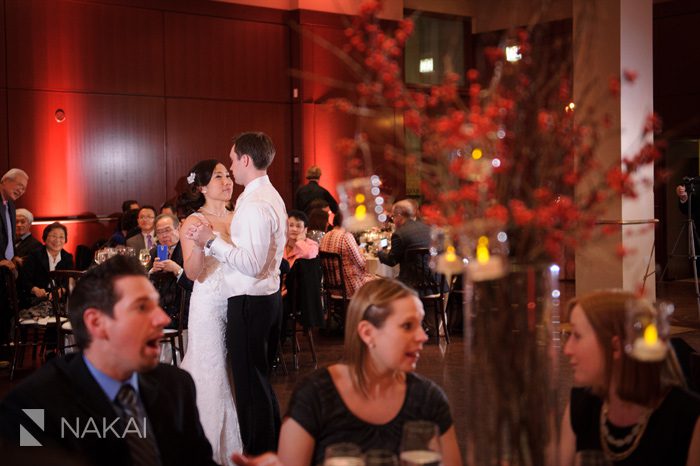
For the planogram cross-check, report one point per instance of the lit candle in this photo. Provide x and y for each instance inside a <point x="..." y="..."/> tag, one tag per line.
<point x="649" y="347"/>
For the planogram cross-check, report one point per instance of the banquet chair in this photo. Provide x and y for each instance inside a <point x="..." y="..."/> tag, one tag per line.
<point x="430" y="287"/>
<point x="335" y="296"/>
<point x="174" y="336"/>
<point x="304" y="306"/>
<point x="61" y="281"/>
<point x="22" y="328"/>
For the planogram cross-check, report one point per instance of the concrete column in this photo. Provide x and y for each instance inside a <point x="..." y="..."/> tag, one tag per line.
<point x="611" y="37"/>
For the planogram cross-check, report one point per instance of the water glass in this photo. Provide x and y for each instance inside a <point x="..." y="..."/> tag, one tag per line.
<point x="420" y="444"/>
<point x="343" y="454"/>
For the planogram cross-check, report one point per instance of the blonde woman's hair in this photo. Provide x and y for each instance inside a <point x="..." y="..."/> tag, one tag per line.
<point x="373" y="303"/>
<point x="638" y="381"/>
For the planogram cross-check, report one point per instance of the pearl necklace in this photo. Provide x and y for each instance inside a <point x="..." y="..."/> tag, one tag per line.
<point x="632" y="439"/>
<point x="206" y="211"/>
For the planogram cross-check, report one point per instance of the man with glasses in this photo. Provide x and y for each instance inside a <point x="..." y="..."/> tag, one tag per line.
<point x="145" y="239"/>
<point x="168" y="275"/>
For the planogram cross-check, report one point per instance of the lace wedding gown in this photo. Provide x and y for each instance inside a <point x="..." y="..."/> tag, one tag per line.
<point x="205" y="360"/>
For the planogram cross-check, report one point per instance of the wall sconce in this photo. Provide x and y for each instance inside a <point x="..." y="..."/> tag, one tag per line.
<point x="59" y="115"/>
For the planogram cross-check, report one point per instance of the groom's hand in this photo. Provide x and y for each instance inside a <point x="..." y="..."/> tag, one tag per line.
<point x="266" y="459"/>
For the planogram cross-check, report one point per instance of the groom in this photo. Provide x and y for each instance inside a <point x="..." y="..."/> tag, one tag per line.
<point x="258" y="234"/>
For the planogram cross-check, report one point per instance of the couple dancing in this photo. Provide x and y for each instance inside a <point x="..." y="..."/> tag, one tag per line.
<point x="235" y="307"/>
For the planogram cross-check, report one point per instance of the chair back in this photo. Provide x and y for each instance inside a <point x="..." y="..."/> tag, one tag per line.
<point x="304" y="291"/>
<point x="417" y="274"/>
<point x="60" y="284"/>
<point x="333" y="275"/>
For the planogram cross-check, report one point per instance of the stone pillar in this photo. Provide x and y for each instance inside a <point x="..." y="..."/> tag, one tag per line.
<point x="611" y="37"/>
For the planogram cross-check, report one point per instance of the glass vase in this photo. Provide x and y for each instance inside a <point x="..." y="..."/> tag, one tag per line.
<point x="512" y="356"/>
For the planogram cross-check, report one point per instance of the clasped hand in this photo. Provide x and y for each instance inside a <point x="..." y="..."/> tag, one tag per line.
<point x="200" y="233"/>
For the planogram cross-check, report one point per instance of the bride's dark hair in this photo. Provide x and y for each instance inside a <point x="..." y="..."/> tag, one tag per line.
<point x="192" y="198"/>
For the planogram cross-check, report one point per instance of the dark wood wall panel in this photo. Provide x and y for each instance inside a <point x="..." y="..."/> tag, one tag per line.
<point x="324" y="127"/>
<point x="676" y="71"/>
<point x="61" y="44"/>
<point x="329" y="73"/>
<point x="4" y="158"/>
<point x="202" y="129"/>
<point x="226" y="59"/>
<point x="3" y="47"/>
<point x="109" y="148"/>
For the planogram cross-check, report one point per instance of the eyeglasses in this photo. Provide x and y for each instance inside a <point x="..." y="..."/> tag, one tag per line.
<point x="164" y="231"/>
<point x="146" y="217"/>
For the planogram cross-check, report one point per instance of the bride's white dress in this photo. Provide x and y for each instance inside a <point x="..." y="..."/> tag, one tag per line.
<point x="205" y="360"/>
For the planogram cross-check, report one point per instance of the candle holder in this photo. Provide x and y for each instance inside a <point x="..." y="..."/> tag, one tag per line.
<point x="361" y="203"/>
<point x="648" y="330"/>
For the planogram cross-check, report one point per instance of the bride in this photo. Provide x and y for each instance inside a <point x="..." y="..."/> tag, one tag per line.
<point x="210" y="190"/>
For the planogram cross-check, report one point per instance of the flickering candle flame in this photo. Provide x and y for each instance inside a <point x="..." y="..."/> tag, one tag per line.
<point x="450" y="255"/>
<point x="651" y="335"/>
<point x="482" y="250"/>
<point x="360" y="212"/>
<point x="477" y="154"/>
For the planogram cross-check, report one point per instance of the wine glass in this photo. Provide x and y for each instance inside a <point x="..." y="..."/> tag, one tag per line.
<point x="343" y="454"/>
<point x="378" y="457"/>
<point x="100" y="256"/>
<point x="144" y="257"/>
<point x="420" y="444"/>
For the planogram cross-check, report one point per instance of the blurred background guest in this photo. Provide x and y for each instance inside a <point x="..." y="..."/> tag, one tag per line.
<point x="128" y="226"/>
<point x="318" y="224"/>
<point x="367" y="398"/>
<point x="168" y="208"/>
<point x="313" y="208"/>
<point x="25" y="243"/>
<point x="168" y="275"/>
<point x="145" y="239"/>
<point x="636" y="412"/>
<point x="341" y="241"/>
<point x="312" y="190"/>
<point x="298" y="245"/>
<point x="35" y="280"/>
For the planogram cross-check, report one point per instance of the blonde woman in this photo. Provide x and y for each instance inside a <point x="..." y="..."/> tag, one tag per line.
<point x="367" y="398"/>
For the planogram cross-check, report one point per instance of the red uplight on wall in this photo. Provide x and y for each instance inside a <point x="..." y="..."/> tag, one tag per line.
<point x="60" y="115"/>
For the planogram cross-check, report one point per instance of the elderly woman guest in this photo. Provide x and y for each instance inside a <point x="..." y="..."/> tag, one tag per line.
<point x="341" y="241"/>
<point x="367" y="398"/>
<point x="637" y="413"/>
<point x="50" y="257"/>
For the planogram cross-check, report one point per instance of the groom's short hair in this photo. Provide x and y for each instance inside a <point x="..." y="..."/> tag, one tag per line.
<point x="96" y="290"/>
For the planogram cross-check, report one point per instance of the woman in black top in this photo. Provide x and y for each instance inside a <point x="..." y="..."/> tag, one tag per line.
<point x="636" y="412"/>
<point x="367" y="398"/>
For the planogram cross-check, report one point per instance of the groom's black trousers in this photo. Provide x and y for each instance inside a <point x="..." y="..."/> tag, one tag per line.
<point x="252" y="337"/>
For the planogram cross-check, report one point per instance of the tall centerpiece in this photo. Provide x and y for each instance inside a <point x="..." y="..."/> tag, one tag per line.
<point x="499" y="159"/>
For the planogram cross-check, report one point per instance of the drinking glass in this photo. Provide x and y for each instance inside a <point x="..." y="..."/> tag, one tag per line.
<point x="379" y="457"/>
<point x="420" y="444"/>
<point x="144" y="257"/>
<point x="343" y="454"/>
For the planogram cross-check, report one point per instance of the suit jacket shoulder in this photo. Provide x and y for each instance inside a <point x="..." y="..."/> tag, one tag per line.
<point x="137" y="242"/>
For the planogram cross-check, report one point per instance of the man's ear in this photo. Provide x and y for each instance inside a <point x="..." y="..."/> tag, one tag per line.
<point x="95" y="323"/>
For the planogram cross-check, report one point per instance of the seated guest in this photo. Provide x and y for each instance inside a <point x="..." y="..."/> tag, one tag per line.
<point x="341" y="241"/>
<point x="302" y="284"/>
<point x="25" y="243"/>
<point x="130" y="204"/>
<point x="368" y="397"/>
<point x="128" y="226"/>
<point x="410" y="233"/>
<point x="168" y="275"/>
<point x="318" y="224"/>
<point x="34" y="281"/>
<point x="115" y="381"/>
<point x="636" y="412"/>
<point x="144" y="239"/>
<point x="298" y="245"/>
<point x="322" y="205"/>
<point x="168" y="208"/>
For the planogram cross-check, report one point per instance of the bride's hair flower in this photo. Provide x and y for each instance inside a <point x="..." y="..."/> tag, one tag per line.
<point x="190" y="178"/>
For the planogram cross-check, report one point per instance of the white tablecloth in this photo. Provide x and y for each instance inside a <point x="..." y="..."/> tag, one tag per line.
<point x="383" y="270"/>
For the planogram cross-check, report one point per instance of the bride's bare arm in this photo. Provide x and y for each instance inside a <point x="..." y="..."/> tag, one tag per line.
<point x="192" y="254"/>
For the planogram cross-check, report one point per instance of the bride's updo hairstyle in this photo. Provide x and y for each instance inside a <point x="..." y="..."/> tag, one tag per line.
<point x="192" y="198"/>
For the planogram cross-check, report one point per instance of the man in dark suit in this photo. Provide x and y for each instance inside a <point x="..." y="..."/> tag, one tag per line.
<point x="168" y="275"/>
<point x="312" y="191"/>
<point x="111" y="403"/>
<point x="144" y="239"/>
<point x="12" y="186"/>
<point x="410" y="233"/>
<point x="25" y="243"/>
